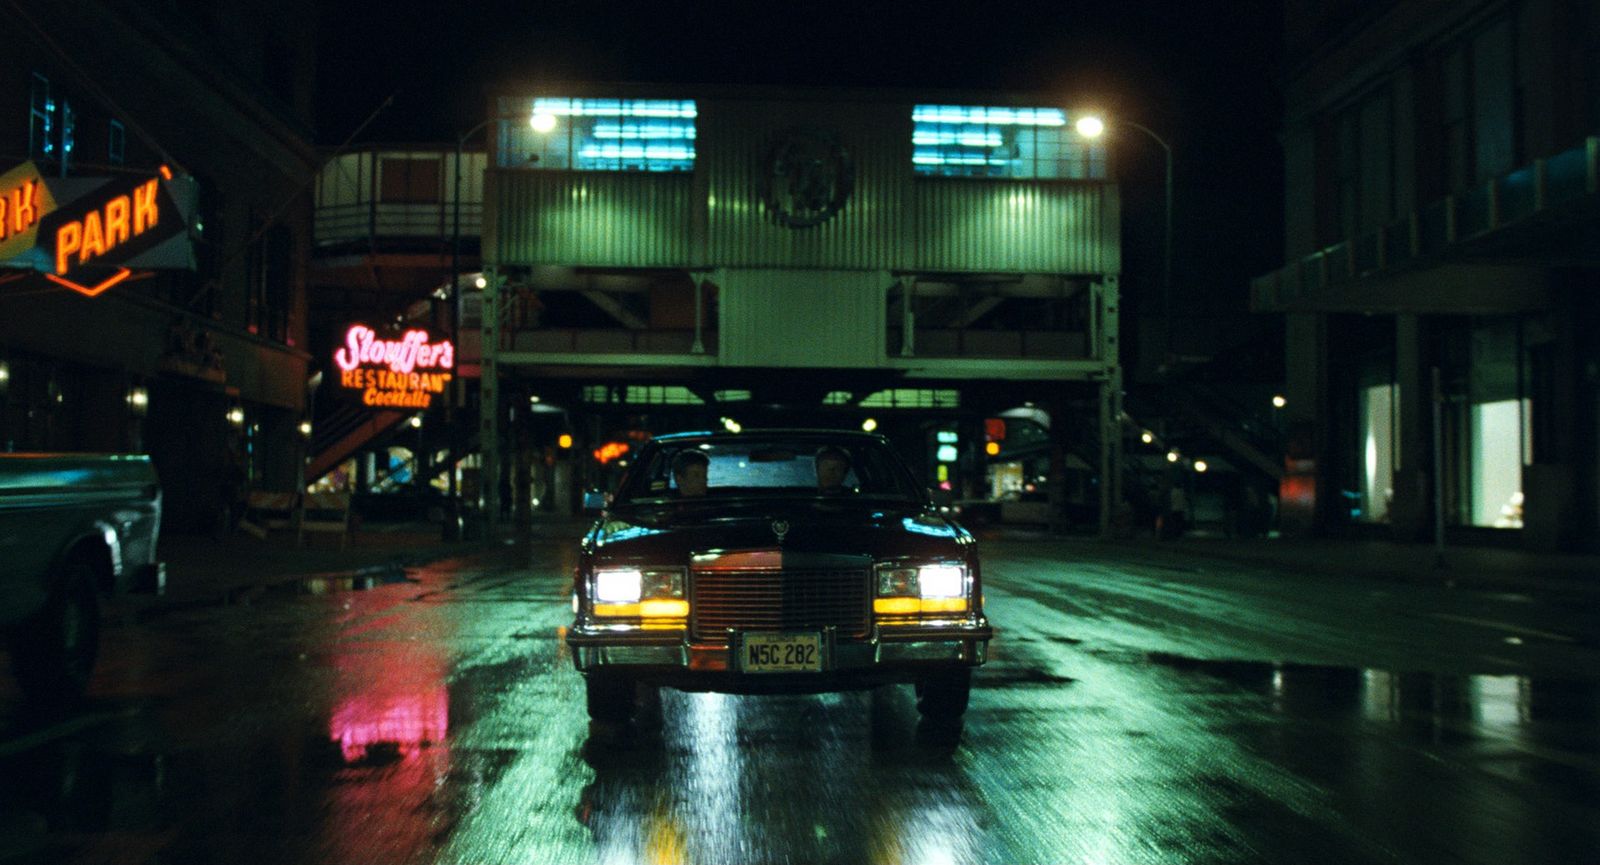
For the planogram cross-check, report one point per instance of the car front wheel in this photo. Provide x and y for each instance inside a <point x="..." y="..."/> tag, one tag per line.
<point x="942" y="696"/>
<point x="610" y="698"/>
<point x="53" y="656"/>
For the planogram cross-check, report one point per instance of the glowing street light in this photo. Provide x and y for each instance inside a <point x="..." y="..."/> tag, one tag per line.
<point x="1091" y="127"/>
<point x="869" y="424"/>
<point x="1172" y="456"/>
<point x="1278" y="401"/>
<point x="1147" y="437"/>
<point x="541" y="122"/>
<point x="1200" y="466"/>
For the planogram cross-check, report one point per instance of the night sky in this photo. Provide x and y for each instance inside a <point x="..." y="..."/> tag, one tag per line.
<point x="1204" y="75"/>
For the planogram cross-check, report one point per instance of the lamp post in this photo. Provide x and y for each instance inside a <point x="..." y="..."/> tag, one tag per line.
<point x="541" y="122"/>
<point x="1091" y="126"/>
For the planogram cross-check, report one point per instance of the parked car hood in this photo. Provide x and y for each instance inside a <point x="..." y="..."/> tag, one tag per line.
<point x="673" y="532"/>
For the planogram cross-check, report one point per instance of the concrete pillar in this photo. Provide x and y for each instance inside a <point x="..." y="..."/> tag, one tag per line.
<point x="562" y="489"/>
<point x="1411" y="512"/>
<point x="1305" y="496"/>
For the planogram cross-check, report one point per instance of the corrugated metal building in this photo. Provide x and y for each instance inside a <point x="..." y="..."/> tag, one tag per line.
<point x="710" y="236"/>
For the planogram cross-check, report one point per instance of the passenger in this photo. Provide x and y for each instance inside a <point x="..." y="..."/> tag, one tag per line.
<point x="833" y="465"/>
<point x="689" y="473"/>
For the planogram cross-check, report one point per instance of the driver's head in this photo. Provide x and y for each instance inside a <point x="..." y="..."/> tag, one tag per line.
<point x="689" y="472"/>
<point x="833" y="464"/>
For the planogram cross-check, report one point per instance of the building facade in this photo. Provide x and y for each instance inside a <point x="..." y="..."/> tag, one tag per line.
<point x="196" y="357"/>
<point x="1441" y="245"/>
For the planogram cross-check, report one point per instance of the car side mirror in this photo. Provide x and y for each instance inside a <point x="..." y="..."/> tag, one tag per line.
<point x="595" y="501"/>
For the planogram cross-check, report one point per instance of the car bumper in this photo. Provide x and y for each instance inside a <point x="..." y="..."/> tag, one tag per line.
<point x="888" y="654"/>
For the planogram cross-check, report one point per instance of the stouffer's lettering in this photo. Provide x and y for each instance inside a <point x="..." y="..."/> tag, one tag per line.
<point x="394" y="373"/>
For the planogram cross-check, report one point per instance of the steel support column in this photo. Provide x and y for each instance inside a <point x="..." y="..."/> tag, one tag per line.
<point x="1107" y="349"/>
<point x="489" y="401"/>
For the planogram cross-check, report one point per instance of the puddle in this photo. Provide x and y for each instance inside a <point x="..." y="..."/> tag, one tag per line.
<point x="1467" y="703"/>
<point x="1013" y="677"/>
<point x="328" y="585"/>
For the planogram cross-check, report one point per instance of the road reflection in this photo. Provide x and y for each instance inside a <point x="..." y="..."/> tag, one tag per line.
<point x="1470" y="768"/>
<point x="719" y="778"/>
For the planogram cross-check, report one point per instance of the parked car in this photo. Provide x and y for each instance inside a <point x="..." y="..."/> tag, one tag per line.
<point x="404" y="504"/>
<point x="73" y="527"/>
<point x="772" y="580"/>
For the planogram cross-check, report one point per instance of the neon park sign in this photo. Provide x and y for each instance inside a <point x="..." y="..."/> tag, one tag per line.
<point x="402" y="372"/>
<point x="85" y="233"/>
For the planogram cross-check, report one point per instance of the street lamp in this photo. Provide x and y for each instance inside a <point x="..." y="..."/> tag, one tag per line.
<point x="539" y="121"/>
<point x="1091" y="126"/>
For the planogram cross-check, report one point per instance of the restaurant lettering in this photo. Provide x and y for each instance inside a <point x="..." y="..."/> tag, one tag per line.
<point x="394" y="373"/>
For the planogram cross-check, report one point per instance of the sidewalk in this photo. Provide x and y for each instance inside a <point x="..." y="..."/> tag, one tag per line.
<point x="1476" y="567"/>
<point x="205" y="570"/>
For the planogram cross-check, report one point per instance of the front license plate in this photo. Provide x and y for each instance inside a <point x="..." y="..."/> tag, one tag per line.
<point x="781" y="653"/>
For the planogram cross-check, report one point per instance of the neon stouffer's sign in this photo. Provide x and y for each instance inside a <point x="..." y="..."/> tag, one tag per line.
<point x="394" y="373"/>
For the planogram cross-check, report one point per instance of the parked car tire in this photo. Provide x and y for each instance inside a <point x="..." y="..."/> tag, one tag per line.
<point x="53" y="655"/>
<point x="610" y="698"/>
<point x="942" y="696"/>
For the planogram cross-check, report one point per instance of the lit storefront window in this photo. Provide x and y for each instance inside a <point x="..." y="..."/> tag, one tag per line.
<point x="1014" y="143"/>
<point x="1380" y="426"/>
<point x="1496" y="490"/>
<point x="599" y="134"/>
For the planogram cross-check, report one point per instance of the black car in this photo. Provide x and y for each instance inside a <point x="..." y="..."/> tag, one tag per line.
<point x="805" y="561"/>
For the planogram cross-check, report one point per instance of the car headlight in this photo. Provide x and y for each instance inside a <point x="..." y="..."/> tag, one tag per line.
<point x="618" y="587"/>
<point x="652" y="593"/>
<point x="905" y="590"/>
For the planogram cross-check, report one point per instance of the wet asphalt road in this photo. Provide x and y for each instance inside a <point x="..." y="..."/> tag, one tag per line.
<point x="1154" y="710"/>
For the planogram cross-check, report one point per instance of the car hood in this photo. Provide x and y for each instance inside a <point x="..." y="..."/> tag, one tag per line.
<point x="673" y="532"/>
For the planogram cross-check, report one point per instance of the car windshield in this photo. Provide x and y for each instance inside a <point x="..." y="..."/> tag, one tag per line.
<point x="800" y="467"/>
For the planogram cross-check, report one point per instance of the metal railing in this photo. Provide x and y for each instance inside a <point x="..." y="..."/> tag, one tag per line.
<point x="374" y="220"/>
<point x="1437" y="226"/>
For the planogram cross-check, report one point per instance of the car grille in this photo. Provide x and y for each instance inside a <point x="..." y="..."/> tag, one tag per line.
<point x="769" y="599"/>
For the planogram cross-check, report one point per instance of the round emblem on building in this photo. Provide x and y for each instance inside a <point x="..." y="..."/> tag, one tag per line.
<point x="809" y="177"/>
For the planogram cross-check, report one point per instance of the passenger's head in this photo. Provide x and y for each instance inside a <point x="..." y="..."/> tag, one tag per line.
<point x="833" y="464"/>
<point x="689" y="472"/>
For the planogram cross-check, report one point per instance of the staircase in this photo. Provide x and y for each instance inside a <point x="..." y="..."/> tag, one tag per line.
<point x="343" y="434"/>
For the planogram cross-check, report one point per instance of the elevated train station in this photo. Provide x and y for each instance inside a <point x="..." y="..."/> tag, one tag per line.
<point x="647" y="259"/>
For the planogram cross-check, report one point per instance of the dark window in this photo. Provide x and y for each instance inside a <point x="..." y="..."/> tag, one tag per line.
<point x="409" y="181"/>
<point x="1478" y="131"/>
<point x="1363" y="165"/>
<point x="69" y="135"/>
<point x="116" y="143"/>
<point x="41" y="120"/>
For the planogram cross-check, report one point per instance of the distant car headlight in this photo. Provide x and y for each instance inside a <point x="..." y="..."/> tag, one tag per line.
<point x="905" y="590"/>
<point x="650" y="593"/>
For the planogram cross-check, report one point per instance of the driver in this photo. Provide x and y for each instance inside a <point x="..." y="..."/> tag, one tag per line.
<point x="689" y="473"/>
<point x="833" y="465"/>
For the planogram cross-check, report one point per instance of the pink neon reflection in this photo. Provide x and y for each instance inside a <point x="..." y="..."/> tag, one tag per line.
<point x="408" y="721"/>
